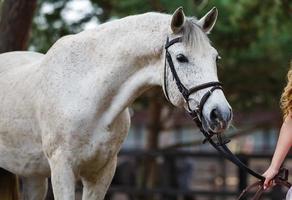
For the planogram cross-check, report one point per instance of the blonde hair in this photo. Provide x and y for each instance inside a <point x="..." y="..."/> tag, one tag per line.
<point x="286" y="97"/>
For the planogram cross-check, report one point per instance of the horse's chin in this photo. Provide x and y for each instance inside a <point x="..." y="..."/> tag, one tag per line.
<point x="208" y="127"/>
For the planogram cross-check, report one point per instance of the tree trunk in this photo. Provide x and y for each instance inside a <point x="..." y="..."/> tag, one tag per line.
<point x="15" y="23"/>
<point x="8" y="186"/>
<point x="154" y="124"/>
<point x="152" y="140"/>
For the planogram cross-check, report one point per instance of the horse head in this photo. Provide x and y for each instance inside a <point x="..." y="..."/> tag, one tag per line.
<point x="190" y="73"/>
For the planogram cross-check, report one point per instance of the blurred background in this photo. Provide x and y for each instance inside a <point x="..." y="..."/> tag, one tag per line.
<point x="163" y="156"/>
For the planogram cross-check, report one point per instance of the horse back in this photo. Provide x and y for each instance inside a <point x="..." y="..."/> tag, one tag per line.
<point x="14" y="59"/>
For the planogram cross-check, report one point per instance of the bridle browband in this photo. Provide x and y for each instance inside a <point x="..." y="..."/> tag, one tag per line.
<point x="196" y="115"/>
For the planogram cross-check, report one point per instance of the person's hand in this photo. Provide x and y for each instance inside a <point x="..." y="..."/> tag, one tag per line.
<point x="269" y="175"/>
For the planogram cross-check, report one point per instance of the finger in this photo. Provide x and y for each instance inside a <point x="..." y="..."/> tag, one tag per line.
<point x="273" y="183"/>
<point x="267" y="183"/>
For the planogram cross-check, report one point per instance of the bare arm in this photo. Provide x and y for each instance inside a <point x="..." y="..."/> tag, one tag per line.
<point x="283" y="146"/>
<point x="284" y="143"/>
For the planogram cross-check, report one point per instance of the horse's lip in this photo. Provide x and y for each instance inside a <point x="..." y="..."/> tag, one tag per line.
<point x="216" y="129"/>
<point x="207" y="126"/>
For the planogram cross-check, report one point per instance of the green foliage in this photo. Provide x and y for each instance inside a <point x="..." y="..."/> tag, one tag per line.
<point x="1" y="2"/>
<point x="253" y="37"/>
<point x="48" y="27"/>
<point x="255" y="41"/>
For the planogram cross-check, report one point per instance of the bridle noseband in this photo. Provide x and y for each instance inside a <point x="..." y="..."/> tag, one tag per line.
<point x="196" y="115"/>
<point x="215" y="85"/>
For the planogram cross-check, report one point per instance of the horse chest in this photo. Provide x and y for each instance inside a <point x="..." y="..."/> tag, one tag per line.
<point x="105" y="144"/>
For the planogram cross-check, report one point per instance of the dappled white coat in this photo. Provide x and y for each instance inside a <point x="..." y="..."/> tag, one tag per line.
<point x="64" y="114"/>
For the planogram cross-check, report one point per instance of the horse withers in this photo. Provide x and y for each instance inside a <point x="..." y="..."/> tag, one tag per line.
<point x="65" y="114"/>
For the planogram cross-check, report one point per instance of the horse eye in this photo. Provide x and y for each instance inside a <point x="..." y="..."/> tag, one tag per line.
<point x="218" y="58"/>
<point x="181" y="58"/>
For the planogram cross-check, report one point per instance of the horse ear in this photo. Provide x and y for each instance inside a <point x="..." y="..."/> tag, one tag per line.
<point x="178" y="20"/>
<point x="208" y="21"/>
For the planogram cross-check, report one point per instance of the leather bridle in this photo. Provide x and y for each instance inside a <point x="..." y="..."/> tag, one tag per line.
<point x="214" y="85"/>
<point x="196" y="115"/>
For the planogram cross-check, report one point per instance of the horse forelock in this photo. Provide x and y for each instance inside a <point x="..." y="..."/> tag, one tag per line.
<point x="193" y="35"/>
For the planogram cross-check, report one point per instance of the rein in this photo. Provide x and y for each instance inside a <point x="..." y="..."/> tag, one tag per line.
<point x="196" y="115"/>
<point x="281" y="179"/>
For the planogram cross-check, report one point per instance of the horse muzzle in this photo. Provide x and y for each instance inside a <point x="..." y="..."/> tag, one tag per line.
<point x="218" y="118"/>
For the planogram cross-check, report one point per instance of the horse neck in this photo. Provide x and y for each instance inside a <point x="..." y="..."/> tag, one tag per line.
<point x="142" y="68"/>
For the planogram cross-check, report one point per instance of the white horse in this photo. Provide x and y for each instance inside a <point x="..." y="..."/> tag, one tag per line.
<point x="65" y="114"/>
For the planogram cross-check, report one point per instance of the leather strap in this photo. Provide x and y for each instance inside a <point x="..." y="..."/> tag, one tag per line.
<point x="171" y="42"/>
<point x="280" y="179"/>
<point x="205" y="85"/>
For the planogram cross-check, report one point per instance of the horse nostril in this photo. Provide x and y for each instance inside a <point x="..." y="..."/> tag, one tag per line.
<point x="219" y="118"/>
<point x="214" y="115"/>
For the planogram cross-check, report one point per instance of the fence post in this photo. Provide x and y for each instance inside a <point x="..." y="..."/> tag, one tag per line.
<point x="277" y="193"/>
<point x="242" y="174"/>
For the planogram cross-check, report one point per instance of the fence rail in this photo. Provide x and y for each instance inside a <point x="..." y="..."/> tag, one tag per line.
<point x="138" y="192"/>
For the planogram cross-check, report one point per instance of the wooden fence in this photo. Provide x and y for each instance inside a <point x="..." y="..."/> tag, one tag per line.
<point x="136" y="192"/>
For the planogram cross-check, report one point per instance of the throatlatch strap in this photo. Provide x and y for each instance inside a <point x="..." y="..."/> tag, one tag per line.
<point x="165" y="82"/>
